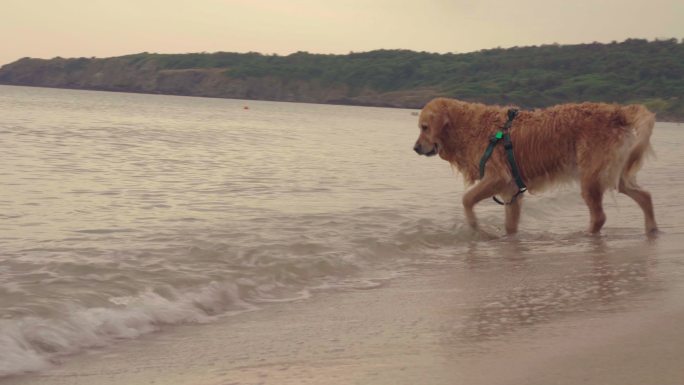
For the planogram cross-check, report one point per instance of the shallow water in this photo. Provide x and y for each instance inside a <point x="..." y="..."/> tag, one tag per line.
<point x="122" y="213"/>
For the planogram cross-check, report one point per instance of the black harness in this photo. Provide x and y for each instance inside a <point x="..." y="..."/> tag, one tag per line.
<point x="508" y="145"/>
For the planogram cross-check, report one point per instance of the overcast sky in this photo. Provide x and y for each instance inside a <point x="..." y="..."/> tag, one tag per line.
<point x="103" y="28"/>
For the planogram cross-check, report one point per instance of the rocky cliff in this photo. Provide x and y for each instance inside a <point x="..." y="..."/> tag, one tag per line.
<point x="119" y="74"/>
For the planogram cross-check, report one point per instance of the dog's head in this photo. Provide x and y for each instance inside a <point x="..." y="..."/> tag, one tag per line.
<point x="433" y="122"/>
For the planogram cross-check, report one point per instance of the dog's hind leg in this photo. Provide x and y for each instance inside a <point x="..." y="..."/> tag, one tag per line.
<point x="592" y="192"/>
<point x="641" y="121"/>
<point x="643" y="199"/>
<point x="487" y="187"/>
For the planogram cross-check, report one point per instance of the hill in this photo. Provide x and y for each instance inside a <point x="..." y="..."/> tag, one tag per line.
<point x="633" y="71"/>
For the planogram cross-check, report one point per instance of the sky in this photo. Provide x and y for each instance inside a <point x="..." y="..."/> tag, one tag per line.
<point x="86" y="28"/>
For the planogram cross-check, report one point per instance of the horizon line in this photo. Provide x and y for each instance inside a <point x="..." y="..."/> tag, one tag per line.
<point x="657" y="39"/>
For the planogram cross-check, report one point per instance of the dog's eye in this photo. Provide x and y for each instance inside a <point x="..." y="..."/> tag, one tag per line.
<point x="424" y="127"/>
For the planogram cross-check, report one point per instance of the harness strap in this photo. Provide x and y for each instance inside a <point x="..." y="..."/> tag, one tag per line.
<point x="508" y="146"/>
<point x="488" y="152"/>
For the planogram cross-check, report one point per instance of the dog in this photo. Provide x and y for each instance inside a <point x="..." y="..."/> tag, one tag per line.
<point x="602" y="146"/>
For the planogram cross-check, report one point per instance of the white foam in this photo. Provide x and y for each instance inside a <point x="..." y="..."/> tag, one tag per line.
<point x="16" y="355"/>
<point x="31" y="343"/>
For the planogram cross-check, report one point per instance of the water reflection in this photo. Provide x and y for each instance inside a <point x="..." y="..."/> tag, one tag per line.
<point x="524" y="284"/>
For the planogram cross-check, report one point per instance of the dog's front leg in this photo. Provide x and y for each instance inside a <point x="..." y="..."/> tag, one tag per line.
<point x="513" y="215"/>
<point x="486" y="188"/>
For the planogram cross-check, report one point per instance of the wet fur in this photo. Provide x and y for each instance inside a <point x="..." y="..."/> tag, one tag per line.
<point x="600" y="145"/>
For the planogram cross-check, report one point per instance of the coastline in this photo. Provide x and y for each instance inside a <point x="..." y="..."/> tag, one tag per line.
<point x="407" y="332"/>
<point x="351" y="103"/>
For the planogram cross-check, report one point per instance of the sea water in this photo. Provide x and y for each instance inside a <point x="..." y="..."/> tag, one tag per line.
<point x="121" y="214"/>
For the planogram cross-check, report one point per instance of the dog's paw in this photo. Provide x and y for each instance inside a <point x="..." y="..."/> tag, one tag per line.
<point x="653" y="233"/>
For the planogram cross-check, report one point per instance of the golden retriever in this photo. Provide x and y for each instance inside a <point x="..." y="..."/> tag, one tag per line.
<point x="600" y="145"/>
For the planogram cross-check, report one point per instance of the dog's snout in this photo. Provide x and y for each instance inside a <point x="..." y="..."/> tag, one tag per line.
<point x="416" y="148"/>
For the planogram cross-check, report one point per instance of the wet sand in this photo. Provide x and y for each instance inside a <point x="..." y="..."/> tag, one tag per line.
<point x="496" y="321"/>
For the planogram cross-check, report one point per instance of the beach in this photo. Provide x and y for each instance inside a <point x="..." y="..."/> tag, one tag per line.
<point x="409" y="331"/>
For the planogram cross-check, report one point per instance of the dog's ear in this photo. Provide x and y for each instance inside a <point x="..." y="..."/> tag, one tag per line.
<point x="446" y="122"/>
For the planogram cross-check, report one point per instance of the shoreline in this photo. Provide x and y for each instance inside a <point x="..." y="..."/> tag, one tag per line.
<point x="409" y="331"/>
<point x="350" y="104"/>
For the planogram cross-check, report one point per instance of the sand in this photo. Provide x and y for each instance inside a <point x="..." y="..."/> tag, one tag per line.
<point x="422" y="328"/>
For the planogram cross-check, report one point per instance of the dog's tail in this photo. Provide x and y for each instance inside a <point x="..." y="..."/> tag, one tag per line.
<point x="641" y="121"/>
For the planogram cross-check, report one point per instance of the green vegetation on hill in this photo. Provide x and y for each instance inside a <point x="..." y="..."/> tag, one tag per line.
<point x="631" y="71"/>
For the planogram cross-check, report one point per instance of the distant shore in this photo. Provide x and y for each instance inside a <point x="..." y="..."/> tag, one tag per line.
<point x="529" y="77"/>
<point x="353" y="103"/>
<point x="340" y="103"/>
